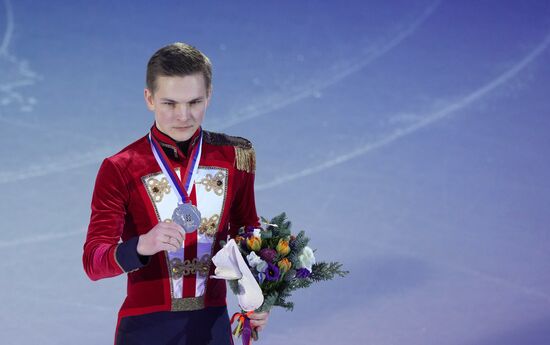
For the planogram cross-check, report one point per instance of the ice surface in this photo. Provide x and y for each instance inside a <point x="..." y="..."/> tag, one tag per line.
<point x="409" y="139"/>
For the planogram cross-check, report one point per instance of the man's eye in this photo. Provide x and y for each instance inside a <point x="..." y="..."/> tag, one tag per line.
<point x="195" y="102"/>
<point x="170" y="104"/>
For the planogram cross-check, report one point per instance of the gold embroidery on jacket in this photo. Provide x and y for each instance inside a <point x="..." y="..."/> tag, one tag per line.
<point x="209" y="227"/>
<point x="181" y="268"/>
<point x="188" y="303"/>
<point x="150" y="193"/>
<point x="158" y="188"/>
<point x="213" y="183"/>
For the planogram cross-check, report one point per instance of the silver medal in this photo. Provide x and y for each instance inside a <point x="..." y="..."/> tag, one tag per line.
<point x="187" y="216"/>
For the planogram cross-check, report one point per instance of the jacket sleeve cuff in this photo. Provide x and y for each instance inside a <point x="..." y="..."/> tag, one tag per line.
<point x="127" y="256"/>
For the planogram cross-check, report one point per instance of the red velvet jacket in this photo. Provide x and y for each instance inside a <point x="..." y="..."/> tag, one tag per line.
<point x="131" y="196"/>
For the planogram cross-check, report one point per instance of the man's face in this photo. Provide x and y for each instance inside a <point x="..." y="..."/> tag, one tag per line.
<point x="179" y="104"/>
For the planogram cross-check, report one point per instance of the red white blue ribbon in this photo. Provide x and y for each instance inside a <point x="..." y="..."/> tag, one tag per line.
<point x="184" y="185"/>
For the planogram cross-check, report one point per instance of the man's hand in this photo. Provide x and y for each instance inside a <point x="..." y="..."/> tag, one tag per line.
<point x="163" y="236"/>
<point x="259" y="320"/>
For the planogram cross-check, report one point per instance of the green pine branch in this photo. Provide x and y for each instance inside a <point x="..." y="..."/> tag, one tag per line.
<point x="327" y="271"/>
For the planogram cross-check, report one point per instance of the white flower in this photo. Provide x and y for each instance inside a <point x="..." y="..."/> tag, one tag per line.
<point x="261" y="267"/>
<point x="257" y="232"/>
<point x="253" y="259"/>
<point x="307" y="259"/>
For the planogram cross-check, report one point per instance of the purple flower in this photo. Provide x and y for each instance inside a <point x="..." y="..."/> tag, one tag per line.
<point x="302" y="273"/>
<point x="268" y="254"/>
<point x="247" y="235"/>
<point x="272" y="272"/>
<point x="248" y="231"/>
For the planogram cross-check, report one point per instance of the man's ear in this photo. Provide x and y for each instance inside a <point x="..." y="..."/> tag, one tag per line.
<point x="148" y="95"/>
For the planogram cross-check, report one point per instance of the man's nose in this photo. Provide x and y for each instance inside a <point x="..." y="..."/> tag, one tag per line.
<point x="183" y="110"/>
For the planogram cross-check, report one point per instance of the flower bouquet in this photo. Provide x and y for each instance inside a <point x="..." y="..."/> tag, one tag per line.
<point x="264" y="265"/>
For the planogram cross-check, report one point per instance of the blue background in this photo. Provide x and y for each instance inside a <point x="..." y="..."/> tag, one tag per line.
<point x="408" y="138"/>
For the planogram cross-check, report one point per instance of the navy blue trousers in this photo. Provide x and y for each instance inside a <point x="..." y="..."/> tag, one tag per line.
<point x="200" y="327"/>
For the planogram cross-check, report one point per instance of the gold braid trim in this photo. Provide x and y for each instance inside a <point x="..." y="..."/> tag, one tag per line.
<point x="188" y="303"/>
<point x="245" y="159"/>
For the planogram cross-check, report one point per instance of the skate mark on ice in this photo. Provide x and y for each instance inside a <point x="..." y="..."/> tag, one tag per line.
<point x="278" y="102"/>
<point x="425" y="122"/>
<point x="14" y="73"/>
<point x="76" y="160"/>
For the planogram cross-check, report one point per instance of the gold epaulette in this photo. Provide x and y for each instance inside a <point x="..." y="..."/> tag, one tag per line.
<point x="245" y="157"/>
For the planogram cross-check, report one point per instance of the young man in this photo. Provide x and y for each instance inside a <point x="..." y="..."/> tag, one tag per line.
<point x="162" y="205"/>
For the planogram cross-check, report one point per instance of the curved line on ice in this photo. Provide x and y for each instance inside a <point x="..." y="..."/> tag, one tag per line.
<point x="72" y="161"/>
<point x="76" y="160"/>
<point x="267" y="107"/>
<point x="9" y="29"/>
<point x="426" y="121"/>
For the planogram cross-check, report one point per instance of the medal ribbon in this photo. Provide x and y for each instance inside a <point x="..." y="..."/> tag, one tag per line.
<point x="182" y="187"/>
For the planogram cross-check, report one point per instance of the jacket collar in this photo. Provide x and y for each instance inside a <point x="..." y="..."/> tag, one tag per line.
<point x="170" y="146"/>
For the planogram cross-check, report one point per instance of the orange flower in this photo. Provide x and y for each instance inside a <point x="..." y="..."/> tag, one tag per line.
<point x="283" y="247"/>
<point x="284" y="265"/>
<point x="254" y="243"/>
